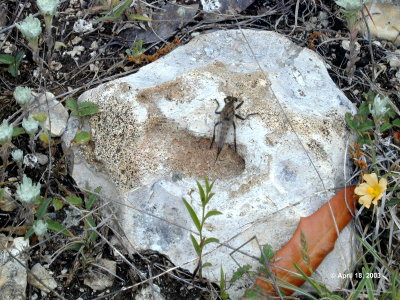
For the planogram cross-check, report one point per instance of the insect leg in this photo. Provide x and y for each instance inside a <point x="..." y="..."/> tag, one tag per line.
<point x="213" y="138"/>
<point x="245" y="118"/>
<point x="239" y="105"/>
<point x="234" y="134"/>
<point x="217" y="112"/>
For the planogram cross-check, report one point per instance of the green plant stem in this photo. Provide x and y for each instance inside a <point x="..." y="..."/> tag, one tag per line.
<point x="32" y="143"/>
<point x="49" y="38"/>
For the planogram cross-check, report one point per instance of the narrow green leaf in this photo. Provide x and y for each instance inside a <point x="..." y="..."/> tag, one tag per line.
<point x="57" y="227"/>
<point x="1" y="194"/>
<point x="29" y="233"/>
<point x="72" y="105"/>
<point x="82" y="137"/>
<point x="207" y="264"/>
<point x="87" y="109"/>
<point x="57" y="204"/>
<point x="92" y="234"/>
<point x="202" y="194"/>
<point x="310" y="280"/>
<point x="222" y="279"/>
<point x="13" y="70"/>
<point x="267" y="254"/>
<point x="212" y="213"/>
<point x="251" y="294"/>
<point x="118" y="11"/>
<point x="360" y="287"/>
<point x="368" y="125"/>
<point x="209" y="197"/>
<point x="211" y="186"/>
<point x="385" y="126"/>
<point x="207" y="185"/>
<point x="20" y="56"/>
<point x="392" y="202"/>
<point x="368" y="284"/>
<point x="240" y="272"/>
<point x="350" y="121"/>
<point x="75" y="246"/>
<point x="74" y="200"/>
<point x="210" y="240"/>
<point x="196" y="245"/>
<point x="18" y="131"/>
<point x="363" y="110"/>
<point x="192" y="214"/>
<point x="6" y="59"/>
<point x="105" y="19"/>
<point x="42" y="210"/>
<point x="371" y="250"/>
<point x="364" y="140"/>
<point x="139" y="17"/>
<point x="92" y="197"/>
<point x="334" y="297"/>
<point x="396" y="122"/>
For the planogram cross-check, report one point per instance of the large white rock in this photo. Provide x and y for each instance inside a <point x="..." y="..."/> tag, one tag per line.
<point x="13" y="264"/>
<point x="152" y="138"/>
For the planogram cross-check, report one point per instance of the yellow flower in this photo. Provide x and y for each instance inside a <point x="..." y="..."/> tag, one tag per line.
<point x="371" y="190"/>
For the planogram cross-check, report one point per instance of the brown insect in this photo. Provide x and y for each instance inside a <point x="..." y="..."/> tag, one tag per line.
<point x="226" y="119"/>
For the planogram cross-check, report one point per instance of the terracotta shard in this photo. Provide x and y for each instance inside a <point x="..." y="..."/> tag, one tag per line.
<point x="320" y="233"/>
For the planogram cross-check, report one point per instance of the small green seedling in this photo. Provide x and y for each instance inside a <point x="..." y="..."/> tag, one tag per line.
<point x="12" y="62"/>
<point x="41" y="217"/>
<point x="198" y="245"/>
<point x="222" y="286"/>
<point x="118" y="10"/>
<point x="136" y="50"/>
<point x="374" y="115"/>
<point x="90" y="236"/>
<point x="81" y="110"/>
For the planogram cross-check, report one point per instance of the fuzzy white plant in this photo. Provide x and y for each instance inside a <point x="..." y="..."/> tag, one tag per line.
<point x="48" y="9"/>
<point x="39" y="227"/>
<point x="23" y="95"/>
<point x="30" y="125"/>
<point x="6" y="132"/>
<point x="17" y="155"/>
<point x="27" y="191"/>
<point x="31" y="30"/>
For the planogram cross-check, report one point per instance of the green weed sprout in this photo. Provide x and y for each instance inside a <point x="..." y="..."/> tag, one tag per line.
<point x="81" y="110"/>
<point x="12" y="62"/>
<point x="374" y="116"/>
<point x="31" y="30"/>
<point x="205" y="197"/>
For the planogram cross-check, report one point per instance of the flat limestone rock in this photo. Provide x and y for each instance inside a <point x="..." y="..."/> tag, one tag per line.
<point x="152" y="137"/>
<point x="13" y="264"/>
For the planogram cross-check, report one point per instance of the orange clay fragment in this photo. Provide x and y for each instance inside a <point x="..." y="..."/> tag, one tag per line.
<point x="320" y="233"/>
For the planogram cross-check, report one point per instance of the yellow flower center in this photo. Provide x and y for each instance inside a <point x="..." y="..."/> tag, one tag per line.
<point x="375" y="191"/>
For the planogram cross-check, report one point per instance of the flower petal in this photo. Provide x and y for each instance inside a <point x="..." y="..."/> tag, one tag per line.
<point x="361" y="189"/>
<point x="365" y="200"/>
<point x="383" y="184"/>
<point x="371" y="179"/>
